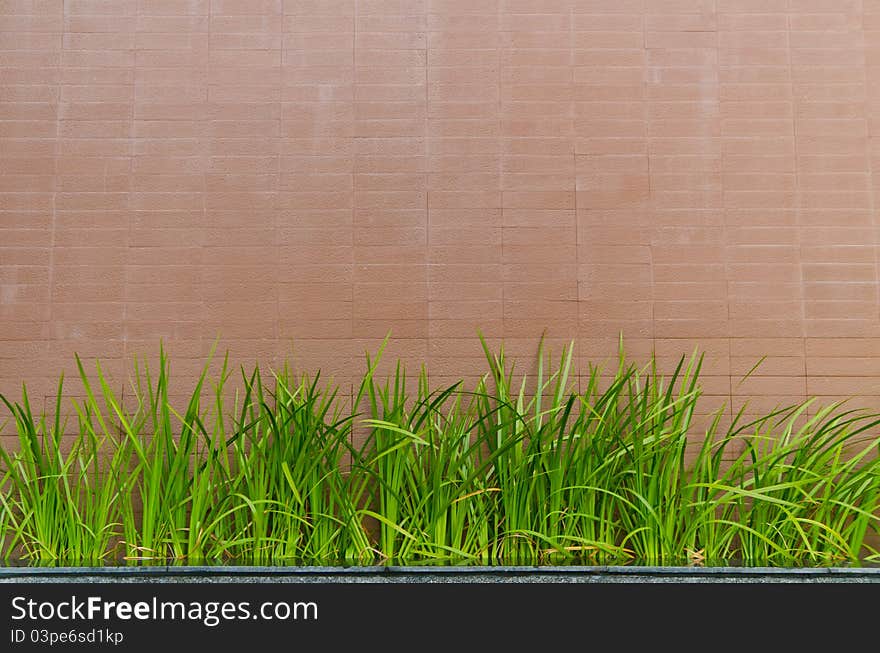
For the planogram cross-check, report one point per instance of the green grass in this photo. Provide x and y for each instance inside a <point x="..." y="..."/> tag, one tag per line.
<point x="607" y="467"/>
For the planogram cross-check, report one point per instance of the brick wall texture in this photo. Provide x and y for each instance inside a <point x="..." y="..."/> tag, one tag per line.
<point x="303" y="176"/>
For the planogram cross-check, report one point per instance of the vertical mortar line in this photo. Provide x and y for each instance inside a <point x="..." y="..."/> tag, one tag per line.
<point x="354" y="157"/>
<point x="426" y="151"/>
<point x="646" y="102"/>
<point x="797" y="194"/>
<point x="204" y="133"/>
<point x="572" y="114"/>
<point x="725" y="243"/>
<point x="53" y="226"/>
<point x="872" y="202"/>
<point x="276" y="205"/>
<point x="205" y="167"/>
<point x="499" y="75"/>
<point x="130" y="202"/>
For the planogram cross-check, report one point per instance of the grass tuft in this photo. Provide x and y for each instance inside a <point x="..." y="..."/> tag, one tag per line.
<point x="517" y="469"/>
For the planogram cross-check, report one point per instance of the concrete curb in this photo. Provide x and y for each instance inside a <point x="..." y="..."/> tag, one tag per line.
<point x="452" y="574"/>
